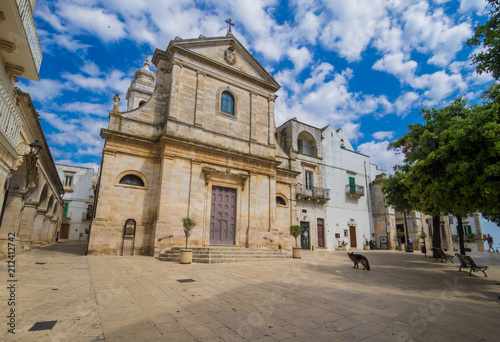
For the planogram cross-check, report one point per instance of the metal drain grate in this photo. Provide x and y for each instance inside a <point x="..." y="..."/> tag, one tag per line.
<point x="40" y="263"/>
<point x="43" y="326"/>
<point x="186" y="280"/>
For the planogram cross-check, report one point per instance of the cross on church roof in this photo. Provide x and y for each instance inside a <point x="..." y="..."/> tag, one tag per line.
<point x="229" y="24"/>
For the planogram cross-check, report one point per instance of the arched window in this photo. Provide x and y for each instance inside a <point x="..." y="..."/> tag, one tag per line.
<point x="306" y="144"/>
<point x="227" y="103"/>
<point x="132" y="180"/>
<point x="280" y="200"/>
<point x="141" y="103"/>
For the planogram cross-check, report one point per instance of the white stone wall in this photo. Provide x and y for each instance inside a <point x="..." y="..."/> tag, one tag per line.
<point x="341" y="211"/>
<point x="79" y="196"/>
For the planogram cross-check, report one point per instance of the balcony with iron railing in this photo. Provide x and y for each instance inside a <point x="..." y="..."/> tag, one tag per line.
<point x="26" y="13"/>
<point x="10" y="118"/>
<point x="354" y="191"/>
<point x="312" y="193"/>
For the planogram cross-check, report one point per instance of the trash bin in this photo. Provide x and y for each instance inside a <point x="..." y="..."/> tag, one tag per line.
<point x="373" y="244"/>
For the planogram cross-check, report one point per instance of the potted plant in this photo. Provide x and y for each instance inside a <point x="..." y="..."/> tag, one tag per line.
<point x="344" y="245"/>
<point x="367" y="245"/>
<point x="186" y="256"/>
<point x="296" y="231"/>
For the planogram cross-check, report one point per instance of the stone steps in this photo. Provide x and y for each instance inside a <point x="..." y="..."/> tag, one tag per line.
<point x="210" y="255"/>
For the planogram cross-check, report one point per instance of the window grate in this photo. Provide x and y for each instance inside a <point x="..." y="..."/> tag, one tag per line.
<point x="186" y="280"/>
<point x="43" y="326"/>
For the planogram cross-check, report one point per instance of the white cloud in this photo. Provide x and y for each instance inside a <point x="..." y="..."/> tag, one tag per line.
<point x="352" y="132"/>
<point x="434" y="32"/>
<point x="351" y="26"/>
<point x="397" y="65"/>
<point x="97" y="109"/>
<point x="300" y="57"/>
<point x="404" y="103"/>
<point x="380" y="155"/>
<point x="381" y="135"/>
<point x="438" y="85"/>
<point x="93" y="20"/>
<point x="44" y="90"/>
<point x="478" y="5"/>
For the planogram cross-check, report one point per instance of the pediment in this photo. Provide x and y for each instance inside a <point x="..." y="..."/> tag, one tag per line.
<point x="227" y="52"/>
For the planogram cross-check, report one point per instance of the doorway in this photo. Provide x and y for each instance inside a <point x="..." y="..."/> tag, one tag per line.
<point x="64" y="231"/>
<point x="304" y="238"/>
<point x="352" y="236"/>
<point x="223" y="216"/>
<point x="321" y="233"/>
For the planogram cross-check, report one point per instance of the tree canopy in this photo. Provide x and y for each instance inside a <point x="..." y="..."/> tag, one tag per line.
<point x="452" y="160"/>
<point x="488" y="37"/>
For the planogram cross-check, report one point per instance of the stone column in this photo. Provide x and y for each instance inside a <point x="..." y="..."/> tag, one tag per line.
<point x="46" y="229"/>
<point x="13" y="212"/>
<point x="271" y="127"/>
<point x="272" y="202"/>
<point x="200" y="98"/>
<point x="175" y="88"/>
<point x="253" y="116"/>
<point x="37" y="232"/>
<point x="51" y="236"/>
<point x="161" y="225"/>
<point x="26" y="225"/>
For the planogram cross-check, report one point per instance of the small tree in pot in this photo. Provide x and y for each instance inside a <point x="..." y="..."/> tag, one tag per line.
<point x="296" y="231"/>
<point x="188" y="226"/>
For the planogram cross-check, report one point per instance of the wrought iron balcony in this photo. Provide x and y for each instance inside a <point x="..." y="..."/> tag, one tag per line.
<point x="354" y="191"/>
<point x="10" y="118"/>
<point x="26" y="14"/>
<point x="312" y="193"/>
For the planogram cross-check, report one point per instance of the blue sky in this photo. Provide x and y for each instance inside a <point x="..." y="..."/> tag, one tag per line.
<point x="366" y="66"/>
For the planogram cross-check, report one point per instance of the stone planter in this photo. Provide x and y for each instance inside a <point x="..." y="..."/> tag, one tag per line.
<point x="344" y="248"/>
<point x="186" y="256"/>
<point x="297" y="252"/>
<point x="367" y="247"/>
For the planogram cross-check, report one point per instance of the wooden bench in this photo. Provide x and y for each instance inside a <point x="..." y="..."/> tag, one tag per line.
<point x="442" y="255"/>
<point x="467" y="262"/>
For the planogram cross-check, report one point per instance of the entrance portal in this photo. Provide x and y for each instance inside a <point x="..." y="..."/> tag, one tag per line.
<point x="352" y="234"/>
<point x="304" y="238"/>
<point x="223" y="216"/>
<point x="64" y="231"/>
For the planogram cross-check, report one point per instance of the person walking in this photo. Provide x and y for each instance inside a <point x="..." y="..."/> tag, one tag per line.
<point x="490" y="243"/>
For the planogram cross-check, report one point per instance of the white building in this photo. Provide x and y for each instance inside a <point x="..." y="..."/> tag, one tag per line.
<point x="79" y="185"/>
<point x="348" y="175"/>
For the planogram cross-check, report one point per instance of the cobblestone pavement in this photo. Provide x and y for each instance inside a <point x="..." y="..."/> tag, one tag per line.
<point x="405" y="297"/>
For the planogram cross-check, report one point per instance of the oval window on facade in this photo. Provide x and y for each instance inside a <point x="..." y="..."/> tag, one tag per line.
<point x="132" y="180"/>
<point x="227" y="103"/>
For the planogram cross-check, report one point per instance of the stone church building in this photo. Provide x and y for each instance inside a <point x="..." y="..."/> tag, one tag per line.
<point x="197" y="139"/>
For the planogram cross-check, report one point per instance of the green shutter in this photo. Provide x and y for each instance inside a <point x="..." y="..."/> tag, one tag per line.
<point x="469" y="230"/>
<point x="352" y="185"/>
<point x="65" y="210"/>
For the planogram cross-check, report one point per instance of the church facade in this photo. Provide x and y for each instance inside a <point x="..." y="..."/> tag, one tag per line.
<point x="197" y="140"/>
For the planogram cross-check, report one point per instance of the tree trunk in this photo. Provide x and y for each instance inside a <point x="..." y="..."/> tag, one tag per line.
<point x="407" y="238"/>
<point x="186" y="242"/>
<point x="436" y="234"/>
<point x="460" y="231"/>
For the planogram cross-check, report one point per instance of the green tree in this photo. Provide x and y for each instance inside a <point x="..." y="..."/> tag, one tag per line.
<point x="452" y="161"/>
<point x="295" y="231"/>
<point x="188" y="224"/>
<point x="488" y="37"/>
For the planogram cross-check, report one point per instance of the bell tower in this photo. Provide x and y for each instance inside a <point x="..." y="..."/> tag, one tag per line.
<point x="141" y="88"/>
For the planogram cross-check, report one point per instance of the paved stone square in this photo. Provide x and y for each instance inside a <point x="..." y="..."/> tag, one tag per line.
<point x="405" y="297"/>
